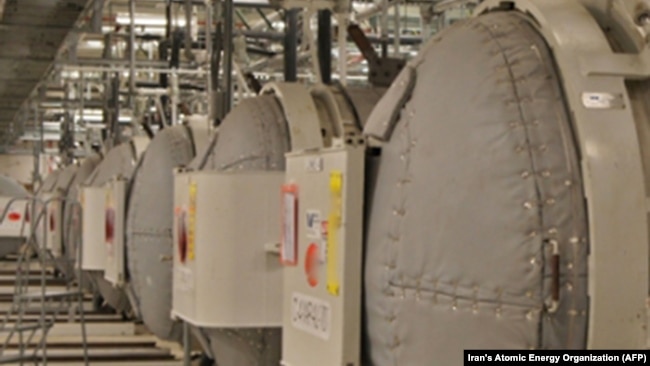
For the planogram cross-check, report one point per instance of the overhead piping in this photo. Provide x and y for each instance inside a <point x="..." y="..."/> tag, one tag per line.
<point x="188" y="31"/>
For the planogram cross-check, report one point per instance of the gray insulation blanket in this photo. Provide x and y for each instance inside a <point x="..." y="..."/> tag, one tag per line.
<point x="9" y="187"/>
<point x="65" y="179"/>
<point x="119" y="161"/>
<point x="254" y="136"/>
<point x="149" y="229"/>
<point x="49" y="182"/>
<point x="478" y="176"/>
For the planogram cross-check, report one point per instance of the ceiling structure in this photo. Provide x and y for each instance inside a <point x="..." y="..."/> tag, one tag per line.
<point x="51" y="42"/>
<point x="31" y="33"/>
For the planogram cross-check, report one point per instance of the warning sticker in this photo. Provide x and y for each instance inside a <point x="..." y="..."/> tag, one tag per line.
<point x="185" y="278"/>
<point x="322" y="258"/>
<point x="603" y="100"/>
<point x="289" y="248"/>
<point x="109" y="227"/>
<point x="314" y="220"/>
<point x="311" y="315"/>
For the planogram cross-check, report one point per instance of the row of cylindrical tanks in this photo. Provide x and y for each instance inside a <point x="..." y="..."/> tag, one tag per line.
<point x="326" y="225"/>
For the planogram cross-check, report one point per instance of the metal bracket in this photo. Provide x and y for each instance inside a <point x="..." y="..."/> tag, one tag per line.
<point x="629" y="66"/>
<point x="383" y="118"/>
<point x="272" y="248"/>
<point x="383" y="70"/>
<point x="300" y="111"/>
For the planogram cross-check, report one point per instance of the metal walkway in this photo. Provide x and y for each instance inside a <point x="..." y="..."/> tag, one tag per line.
<point x="111" y="340"/>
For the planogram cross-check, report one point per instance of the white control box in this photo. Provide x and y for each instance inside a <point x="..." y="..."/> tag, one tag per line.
<point x="115" y="216"/>
<point x="225" y="274"/>
<point x="93" y="200"/>
<point x="53" y="221"/>
<point x="14" y="224"/>
<point x="321" y="250"/>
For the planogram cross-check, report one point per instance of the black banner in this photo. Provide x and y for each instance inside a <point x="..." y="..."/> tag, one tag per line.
<point x="600" y="357"/>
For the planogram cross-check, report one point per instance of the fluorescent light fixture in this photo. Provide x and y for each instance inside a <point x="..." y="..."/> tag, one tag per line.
<point x="148" y="20"/>
<point x="94" y="43"/>
<point x="52" y="125"/>
<point x="251" y="2"/>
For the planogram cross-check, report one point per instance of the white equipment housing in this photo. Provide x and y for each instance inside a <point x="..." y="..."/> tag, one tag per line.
<point x="53" y="222"/>
<point x="322" y="248"/>
<point x="115" y="216"/>
<point x="322" y="228"/>
<point x="226" y="229"/>
<point x="14" y="224"/>
<point x="93" y="231"/>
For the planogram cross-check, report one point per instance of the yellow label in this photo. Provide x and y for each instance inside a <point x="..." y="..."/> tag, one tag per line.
<point x="191" y="230"/>
<point x="333" y="226"/>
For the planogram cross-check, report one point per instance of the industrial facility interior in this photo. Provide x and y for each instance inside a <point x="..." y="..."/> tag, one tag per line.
<point x="322" y="182"/>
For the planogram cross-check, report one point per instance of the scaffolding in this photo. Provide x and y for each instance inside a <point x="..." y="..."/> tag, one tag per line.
<point x="36" y="268"/>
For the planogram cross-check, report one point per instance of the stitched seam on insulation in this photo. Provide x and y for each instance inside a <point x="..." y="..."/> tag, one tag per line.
<point x="241" y="161"/>
<point x="578" y="216"/>
<point x="400" y="211"/>
<point x="461" y="297"/>
<point x="498" y="38"/>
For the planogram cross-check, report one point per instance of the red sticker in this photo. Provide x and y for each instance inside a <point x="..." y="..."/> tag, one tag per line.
<point x="182" y="237"/>
<point x="311" y="265"/>
<point x="14" y="216"/>
<point x="52" y="221"/>
<point x="109" y="228"/>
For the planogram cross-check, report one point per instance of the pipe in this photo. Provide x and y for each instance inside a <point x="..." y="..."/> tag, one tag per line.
<point x="242" y="19"/>
<point x="187" y="352"/>
<point x="264" y="18"/>
<point x="163" y="53"/>
<point x="209" y="51"/>
<point x="227" y="54"/>
<point x="273" y="36"/>
<point x="397" y="31"/>
<point x="291" y="46"/>
<point x="174" y="97"/>
<point x="168" y="16"/>
<point x="325" y="45"/>
<point x="82" y="106"/>
<point x="375" y="9"/>
<point x="215" y="60"/>
<point x="132" y="53"/>
<point x="115" y="106"/>
<point x="342" y="21"/>
<point x="97" y="19"/>
<point x="309" y="43"/>
<point x="175" y="59"/>
<point x="188" y="31"/>
<point x="383" y="32"/>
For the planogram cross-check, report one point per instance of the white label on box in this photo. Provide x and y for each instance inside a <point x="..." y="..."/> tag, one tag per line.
<point x="185" y="278"/>
<point x="603" y="100"/>
<point x="313" y="224"/>
<point x="289" y="235"/>
<point x="311" y="315"/>
<point x="314" y="165"/>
